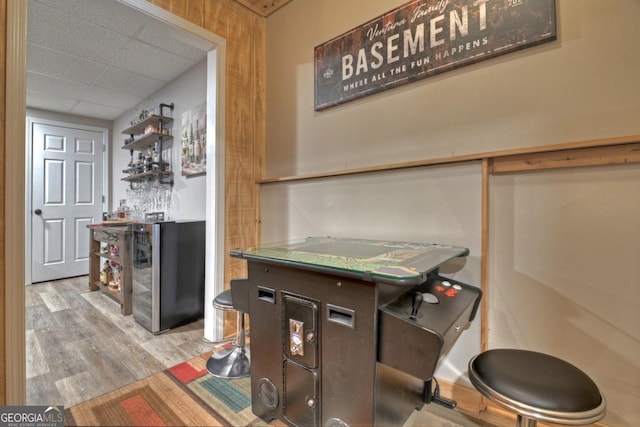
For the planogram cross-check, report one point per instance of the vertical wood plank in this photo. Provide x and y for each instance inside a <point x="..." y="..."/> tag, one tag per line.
<point x="484" y="262"/>
<point x="484" y="267"/>
<point x="13" y="201"/>
<point x="3" y="81"/>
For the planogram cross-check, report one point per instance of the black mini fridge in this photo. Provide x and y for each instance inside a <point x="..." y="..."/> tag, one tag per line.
<point x="168" y="273"/>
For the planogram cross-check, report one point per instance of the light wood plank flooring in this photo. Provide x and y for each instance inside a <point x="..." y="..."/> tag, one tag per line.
<point x="80" y="346"/>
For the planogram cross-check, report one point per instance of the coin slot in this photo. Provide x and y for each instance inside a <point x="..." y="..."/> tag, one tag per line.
<point x="296" y="344"/>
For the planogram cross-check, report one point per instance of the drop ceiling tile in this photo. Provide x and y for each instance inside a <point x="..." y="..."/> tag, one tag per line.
<point x="126" y="81"/>
<point x="55" y="64"/>
<point x="143" y="59"/>
<point x="105" y="112"/>
<point x="48" y="102"/>
<point x="55" y="87"/>
<point x="73" y="45"/>
<point x="111" y="98"/>
<point x="64" y="33"/>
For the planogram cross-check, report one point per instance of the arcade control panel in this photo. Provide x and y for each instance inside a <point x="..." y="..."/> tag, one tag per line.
<point x="422" y="324"/>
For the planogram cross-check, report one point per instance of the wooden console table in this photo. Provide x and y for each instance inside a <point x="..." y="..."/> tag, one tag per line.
<point x="103" y="238"/>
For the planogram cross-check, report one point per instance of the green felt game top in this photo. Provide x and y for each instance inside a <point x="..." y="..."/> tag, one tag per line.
<point x="398" y="263"/>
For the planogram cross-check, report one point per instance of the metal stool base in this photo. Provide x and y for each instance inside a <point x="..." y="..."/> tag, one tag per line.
<point x="231" y="363"/>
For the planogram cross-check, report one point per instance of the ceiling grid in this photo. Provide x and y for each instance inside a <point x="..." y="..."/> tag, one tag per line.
<point x="101" y="59"/>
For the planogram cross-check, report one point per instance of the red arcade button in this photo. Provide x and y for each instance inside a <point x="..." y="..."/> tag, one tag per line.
<point x="451" y="292"/>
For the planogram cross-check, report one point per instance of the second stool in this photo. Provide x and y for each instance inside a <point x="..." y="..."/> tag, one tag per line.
<point x="537" y="387"/>
<point x="235" y="361"/>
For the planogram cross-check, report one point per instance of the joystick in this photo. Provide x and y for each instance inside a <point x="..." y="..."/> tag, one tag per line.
<point x="416" y="302"/>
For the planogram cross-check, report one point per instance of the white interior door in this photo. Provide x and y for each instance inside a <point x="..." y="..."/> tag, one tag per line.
<point x="66" y="197"/>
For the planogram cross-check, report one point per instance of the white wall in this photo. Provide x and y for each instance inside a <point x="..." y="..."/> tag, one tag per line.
<point x="436" y="205"/>
<point x="582" y="86"/>
<point x="565" y="273"/>
<point x="186" y="198"/>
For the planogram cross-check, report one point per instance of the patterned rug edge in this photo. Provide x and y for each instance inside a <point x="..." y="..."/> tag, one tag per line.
<point x="182" y="376"/>
<point x="183" y="382"/>
<point x="84" y="413"/>
<point x="197" y="399"/>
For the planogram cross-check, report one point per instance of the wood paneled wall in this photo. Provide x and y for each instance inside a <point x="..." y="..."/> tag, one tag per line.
<point x="3" y="81"/>
<point x="245" y="131"/>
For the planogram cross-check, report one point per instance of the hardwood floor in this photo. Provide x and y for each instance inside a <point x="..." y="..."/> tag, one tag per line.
<point x="80" y="346"/>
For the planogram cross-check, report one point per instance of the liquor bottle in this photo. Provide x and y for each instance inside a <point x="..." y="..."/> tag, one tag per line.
<point x="104" y="274"/>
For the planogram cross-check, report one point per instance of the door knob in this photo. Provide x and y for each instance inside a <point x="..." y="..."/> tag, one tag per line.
<point x="38" y="212"/>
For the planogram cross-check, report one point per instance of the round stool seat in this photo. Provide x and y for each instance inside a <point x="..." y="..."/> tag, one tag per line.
<point x="538" y="386"/>
<point x="223" y="300"/>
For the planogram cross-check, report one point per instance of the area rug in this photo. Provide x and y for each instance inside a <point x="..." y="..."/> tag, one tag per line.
<point x="186" y="395"/>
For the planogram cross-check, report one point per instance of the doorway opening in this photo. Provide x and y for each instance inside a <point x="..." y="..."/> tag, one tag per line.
<point x="17" y="208"/>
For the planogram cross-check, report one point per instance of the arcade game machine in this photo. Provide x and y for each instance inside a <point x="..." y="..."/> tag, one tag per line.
<point x="348" y="332"/>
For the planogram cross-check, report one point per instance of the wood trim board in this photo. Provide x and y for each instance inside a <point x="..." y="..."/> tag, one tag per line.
<point x="594" y="156"/>
<point x="13" y="204"/>
<point x="615" y="150"/>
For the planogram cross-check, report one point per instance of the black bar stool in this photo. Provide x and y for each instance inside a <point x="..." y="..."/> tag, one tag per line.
<point x="537" y="387"/>
<point x="235" y="361"/>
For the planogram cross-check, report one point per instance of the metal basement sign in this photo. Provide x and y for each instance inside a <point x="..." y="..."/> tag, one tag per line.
<point x="426" y="37"/>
